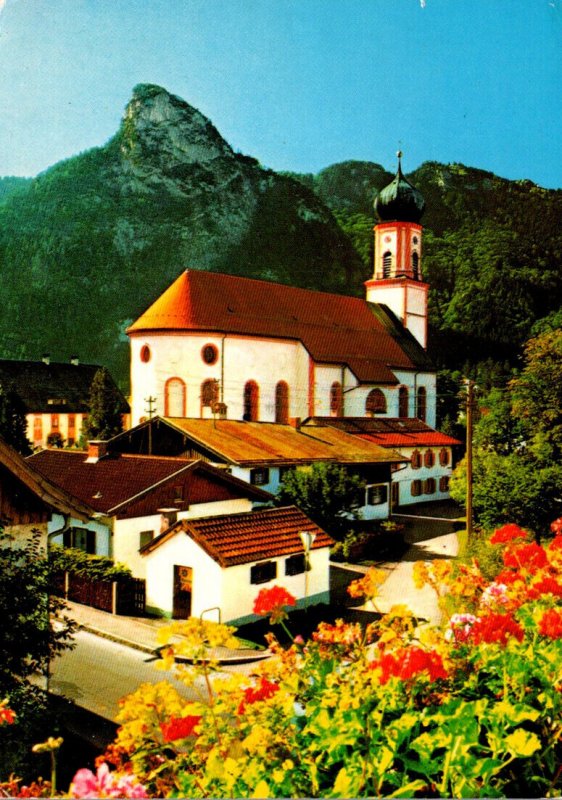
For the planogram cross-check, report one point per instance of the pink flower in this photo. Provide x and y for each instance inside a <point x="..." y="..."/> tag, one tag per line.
<point x="86" y="784"/>
<point x="460" y="626"/>
<point x="495" y="595"/>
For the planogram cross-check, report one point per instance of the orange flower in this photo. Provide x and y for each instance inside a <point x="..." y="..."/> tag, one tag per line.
<point x="550" y="624"/>
<point x="272" y="602"/>
<point x="368" y="585"/>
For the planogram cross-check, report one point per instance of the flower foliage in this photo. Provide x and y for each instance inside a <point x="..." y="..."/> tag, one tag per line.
<point x="472" y="708"/>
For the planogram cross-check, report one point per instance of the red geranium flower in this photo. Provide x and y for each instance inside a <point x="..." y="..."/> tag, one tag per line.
<point x="495" y="628"/>
<point x="272" y="602"/>
<point x="7" y="716"/>
<point x="556" y="527"/>
<point x="409" y="663"/>
<point x="507" y="533"/>
<point x="179" y="727"/>
<point x="253" y="694"/>
<point x="529" y="556"/>
<point x="550" y="624"/>
<point x="545" y="586"/>
<point x="556" y="543"/>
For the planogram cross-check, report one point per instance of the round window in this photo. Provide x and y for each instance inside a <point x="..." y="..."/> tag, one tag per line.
<point x="145" y="354"/>
<point x="209" y="354"/>
<point x="415" y="240"/>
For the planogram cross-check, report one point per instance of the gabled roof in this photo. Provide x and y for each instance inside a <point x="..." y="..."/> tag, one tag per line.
<point x="335" y="329"/>
<point x="51" y="387"/>
<point x="57" y="498"/>
<point x="387" y="432"/>
<point x="115" y="481"/>
<point x="249" y="444"/>
<point x="244" y="538"/>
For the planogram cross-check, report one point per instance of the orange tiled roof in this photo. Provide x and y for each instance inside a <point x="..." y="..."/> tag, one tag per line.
<point x="385" y="431"/>
<point x="334" y="328"/>
<point x="252" y="443"/>
<point x="244" y="538"/>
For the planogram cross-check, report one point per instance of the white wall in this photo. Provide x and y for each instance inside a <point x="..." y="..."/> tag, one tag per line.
<point x="46" y="428"/>
<point x="404" y="477"/>
<point x="103" y="533"/>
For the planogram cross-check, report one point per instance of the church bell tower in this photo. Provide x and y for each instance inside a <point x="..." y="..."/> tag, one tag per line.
<point x="397" y="280"/>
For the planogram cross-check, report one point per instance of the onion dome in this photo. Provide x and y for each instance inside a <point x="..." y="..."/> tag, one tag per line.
<point x="399" y="201"/>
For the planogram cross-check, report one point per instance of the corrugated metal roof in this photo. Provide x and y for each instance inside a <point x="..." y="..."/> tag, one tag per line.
<point x="244" y="538"/>
<point x="253" y="443"/>
<point x="335" y="329"/>
<point x="385" y="431"/>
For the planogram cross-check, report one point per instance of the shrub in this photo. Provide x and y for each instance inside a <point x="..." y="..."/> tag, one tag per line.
<point x="77" y="562"/>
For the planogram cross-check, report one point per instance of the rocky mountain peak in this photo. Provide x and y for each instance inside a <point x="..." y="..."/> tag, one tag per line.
<point x="165" y="130"/>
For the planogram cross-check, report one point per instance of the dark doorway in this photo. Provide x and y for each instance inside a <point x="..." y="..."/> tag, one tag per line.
<point x="183" y="583"/>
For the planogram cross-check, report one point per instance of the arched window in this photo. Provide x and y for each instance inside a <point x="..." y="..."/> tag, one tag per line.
<point x="416" y="488"/>
<point x="416" y="460"/>
<point x="251" y="401"/>
<point x="429" y="458"/>
<point x="429" y="486"/>
<point x="375" y="403"/>
<point x="444" y="483"/>
<point x="444" y="457"/>
<point x="422" y="403"/>
<point x="416" y="265"/>
<point x="403" y="401"/>
<point x="174" y="398"/>
<point x="336" y="400"/>
<point x="37" y="429"/>
<point x="386" y="264"/>
<point x="282" y="403"/>
<point x="209" y="392"/>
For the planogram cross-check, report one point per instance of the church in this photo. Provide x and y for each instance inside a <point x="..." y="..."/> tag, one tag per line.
<point x="226" y="347"/>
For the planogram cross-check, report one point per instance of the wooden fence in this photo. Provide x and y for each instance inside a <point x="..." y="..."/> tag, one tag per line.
<point x="127" y="597"/>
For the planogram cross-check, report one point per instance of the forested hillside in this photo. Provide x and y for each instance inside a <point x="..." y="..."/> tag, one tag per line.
<point x="87" y="245"/>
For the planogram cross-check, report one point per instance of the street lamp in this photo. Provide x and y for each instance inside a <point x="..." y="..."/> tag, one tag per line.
<point x="307" y="539"/>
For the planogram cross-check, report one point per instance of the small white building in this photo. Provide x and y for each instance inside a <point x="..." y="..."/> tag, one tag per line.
<point x="215" y="567"/>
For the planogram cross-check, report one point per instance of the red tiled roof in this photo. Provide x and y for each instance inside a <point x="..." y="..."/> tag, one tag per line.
<point x="387" y="432"/>
<point x="334" y="328"/>
<point x="109" y="482"/>
<point x="232" y="539"/>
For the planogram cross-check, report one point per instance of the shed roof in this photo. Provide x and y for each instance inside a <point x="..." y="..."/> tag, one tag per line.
<point x="335" y="329"/>
<point x="387" y="432"/>
<point x="244" y="538"/>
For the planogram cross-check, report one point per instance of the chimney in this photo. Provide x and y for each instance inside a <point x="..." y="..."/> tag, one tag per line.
<point x="295" y="422"/>
<point x="74" y="360"/>
<point x="97" y="449"/>
<point x="46" y="358"/>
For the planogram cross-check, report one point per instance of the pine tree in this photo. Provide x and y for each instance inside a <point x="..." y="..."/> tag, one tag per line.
<point x="13" y="422"/>
<point x="105" y="408"/>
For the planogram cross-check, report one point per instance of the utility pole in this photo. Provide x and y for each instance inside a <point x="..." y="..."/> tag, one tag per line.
<point x="469" y="460"/>
<point x="150" y="410"/>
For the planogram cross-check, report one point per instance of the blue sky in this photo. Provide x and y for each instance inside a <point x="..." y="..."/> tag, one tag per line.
<point x="299" y="84"/>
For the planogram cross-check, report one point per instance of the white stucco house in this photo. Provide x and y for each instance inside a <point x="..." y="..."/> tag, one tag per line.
<point x="220" y="564"/>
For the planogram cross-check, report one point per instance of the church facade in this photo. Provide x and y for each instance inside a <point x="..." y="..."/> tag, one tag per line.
<point x="225" y="347"/>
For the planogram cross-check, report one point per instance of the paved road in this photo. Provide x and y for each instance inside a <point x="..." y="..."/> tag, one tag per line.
<point x="98" y="672"/>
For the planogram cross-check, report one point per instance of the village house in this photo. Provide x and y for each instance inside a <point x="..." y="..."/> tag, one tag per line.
<point x="260" y="453"/>
<point x="55" y="397"/>
<point x="142" y="503"/>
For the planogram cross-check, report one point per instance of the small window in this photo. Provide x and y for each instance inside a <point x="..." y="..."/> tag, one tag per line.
<point x="37" y="429"/>
<point x="377" y="495"/>
<point x="336" y="399"/>
<point x="210" y="354"/>
<point x="444" y="483"/>
<point x="416" y="461"/>
<point x="429" y="486"/>
<point x="415" y="265"/>
<point x="416" y="488"/>
<point x="209" y="392"/>
<point x="403" y="401"/>
<point x="422" y="403"/>
<point x="145" y="538"/>
<point x="386" y="264"/>
<point x="429" y="458"/>
<point x="251" y="402"/>
<point x="80" y="539"/>
<point x="264" y="572"/>
<point x="54" y="423"/>
<point x="444" y="457"/>
<point x="295" y="565"/>
<point x="282" y="403"/>
<point x="145" y="354"/>
<point x="375" y="403"/>
<point x="259" y="476"/>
